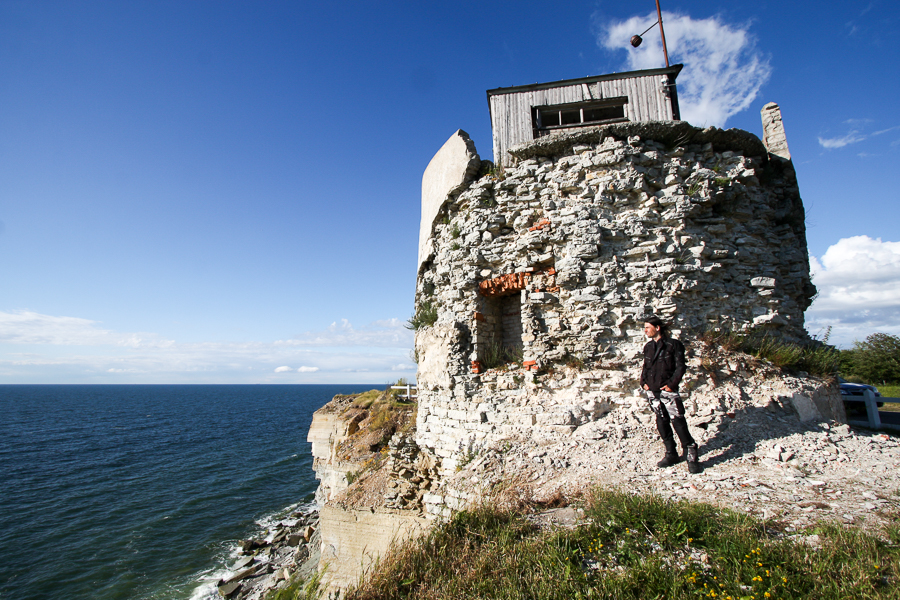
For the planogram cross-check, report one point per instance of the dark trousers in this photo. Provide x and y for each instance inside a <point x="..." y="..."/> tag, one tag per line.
<point x="669" y="412"/>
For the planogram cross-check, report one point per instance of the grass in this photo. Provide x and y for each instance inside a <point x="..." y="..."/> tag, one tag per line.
<point x="366" y="399"/>
<point x="890" y="391"/>
<point x="426" y="315"/>
<point x="377" y="415"/>
<point x="634" y="547"/>
<point x="496" y="355"/>
<point x="574" y="362"/>
<point x="299" y="589"/>
<point x="816" y="359"/>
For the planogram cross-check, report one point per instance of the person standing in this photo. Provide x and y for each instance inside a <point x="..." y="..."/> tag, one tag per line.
<point x="663" y="369"/>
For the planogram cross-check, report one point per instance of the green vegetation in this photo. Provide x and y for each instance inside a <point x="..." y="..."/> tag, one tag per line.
<point x="874" y="361"/>
<point x="487" y="201"/>
<point x="299" y="589"/>
<point x="495" y="172"/>
<point x="496" y="355"/>
<point x="454" y="231"/>
<point x="366" y="399"/>
<point x="817" y="359"/>
<point x="890" y="391"/>
<point x="722" y="181"/>
<point x="574" y="362"/>
<point x="426" y="315"/>
<point x="635" y="547"/>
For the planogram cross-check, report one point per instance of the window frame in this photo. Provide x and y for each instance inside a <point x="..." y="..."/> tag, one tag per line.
<point x="581" y="106"/>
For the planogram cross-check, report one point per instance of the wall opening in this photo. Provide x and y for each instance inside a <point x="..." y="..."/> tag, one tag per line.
<point x="546" y="119"/>
<point x="498" y="327"/>
<point x="502" y="330"/>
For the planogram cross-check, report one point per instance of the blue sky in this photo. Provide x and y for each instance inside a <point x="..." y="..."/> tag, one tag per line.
<point x="228" y="192"/>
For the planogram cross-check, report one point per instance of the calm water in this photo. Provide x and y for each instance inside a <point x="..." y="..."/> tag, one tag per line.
<point x="141" y="491"/>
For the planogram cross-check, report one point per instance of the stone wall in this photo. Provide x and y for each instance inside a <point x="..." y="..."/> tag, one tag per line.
<point x="585" y="235"/>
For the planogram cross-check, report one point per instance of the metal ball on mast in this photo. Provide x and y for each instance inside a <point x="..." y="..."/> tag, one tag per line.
<point x="637" y="39"/>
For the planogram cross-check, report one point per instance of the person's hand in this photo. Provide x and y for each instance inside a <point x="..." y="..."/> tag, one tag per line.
<point x="666" y="388"/>
<point x="646" y="387"/>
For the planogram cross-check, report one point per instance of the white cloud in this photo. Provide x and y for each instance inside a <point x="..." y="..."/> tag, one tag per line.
<point x="894" y="128"/>
<point x="839" y="142"/>
<point x="859" y="289"/>
<point x="723" y="70"/>
<point x="28" y="327"/>
<point x="403" y="367"/>
<point x="854" y="135"/>
<point x="389" y="333"/>
<point x="37" y="348"/>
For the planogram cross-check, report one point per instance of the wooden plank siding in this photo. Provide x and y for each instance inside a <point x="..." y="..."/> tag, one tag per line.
<point x="511" y="108"/>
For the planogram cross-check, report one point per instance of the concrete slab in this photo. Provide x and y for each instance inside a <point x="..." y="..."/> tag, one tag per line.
<point x="454" y="165"/>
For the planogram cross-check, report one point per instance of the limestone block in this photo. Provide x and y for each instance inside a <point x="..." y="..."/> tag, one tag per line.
<point x="454" y="165"/>
<point x="773" y="131"/>
<point x="805" y="407"/>
<point x="352" y="540"/>
<point x="435" y="347"/>
<point x="763" y="282"/>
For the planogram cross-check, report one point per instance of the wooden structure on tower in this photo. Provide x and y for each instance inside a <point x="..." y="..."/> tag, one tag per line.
<point x="524" y="113"/>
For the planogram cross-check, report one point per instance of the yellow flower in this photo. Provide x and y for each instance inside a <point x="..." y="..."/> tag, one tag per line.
<point x="768" y="595"/>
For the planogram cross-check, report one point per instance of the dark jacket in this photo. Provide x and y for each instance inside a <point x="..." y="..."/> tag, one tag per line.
<point x="663" y="364"/>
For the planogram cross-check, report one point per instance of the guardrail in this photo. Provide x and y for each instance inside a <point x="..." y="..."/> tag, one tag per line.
<point x="410" y="388"/>
<point x="874" y="421"/>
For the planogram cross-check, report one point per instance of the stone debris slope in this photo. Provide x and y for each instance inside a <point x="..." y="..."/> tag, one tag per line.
<point x="760" y="459"/>
<point x="291" y="547"/>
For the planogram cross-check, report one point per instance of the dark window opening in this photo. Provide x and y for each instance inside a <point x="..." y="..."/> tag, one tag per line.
<point x="550" y="118"/>
<point x="502" y="340"/>
<point x="604" y="113"/>
<point x="571" y="117"/>
<point x="610" y="110"/>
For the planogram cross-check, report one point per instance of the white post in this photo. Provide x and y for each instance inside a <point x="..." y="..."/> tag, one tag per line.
<point x="872" y="409"/>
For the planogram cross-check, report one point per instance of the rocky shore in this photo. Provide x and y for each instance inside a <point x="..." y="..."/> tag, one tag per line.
<point x="290" y="548"/>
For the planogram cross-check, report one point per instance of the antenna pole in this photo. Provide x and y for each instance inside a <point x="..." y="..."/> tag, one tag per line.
<point x="662" y="32"/>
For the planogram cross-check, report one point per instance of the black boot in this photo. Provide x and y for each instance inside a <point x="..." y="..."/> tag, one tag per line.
<point x="692" y="454"/>
<point x="668" y="460"/>
<point x="668" y="440"/>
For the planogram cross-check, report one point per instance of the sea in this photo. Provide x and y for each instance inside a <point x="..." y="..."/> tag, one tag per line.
<point x="114" y="492"/>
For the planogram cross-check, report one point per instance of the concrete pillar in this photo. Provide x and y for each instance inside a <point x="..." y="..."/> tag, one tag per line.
<point x="454" y="165"/>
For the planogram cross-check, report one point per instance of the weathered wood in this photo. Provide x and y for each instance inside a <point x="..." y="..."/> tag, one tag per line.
<point x="512" y="108"/>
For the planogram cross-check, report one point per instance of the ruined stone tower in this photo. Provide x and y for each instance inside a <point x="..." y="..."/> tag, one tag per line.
<point x="554" y="260"/>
